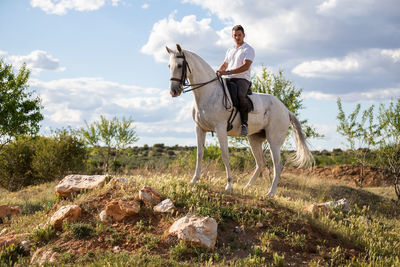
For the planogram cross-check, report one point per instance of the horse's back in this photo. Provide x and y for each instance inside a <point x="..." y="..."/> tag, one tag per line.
<point x="265" y="103"/>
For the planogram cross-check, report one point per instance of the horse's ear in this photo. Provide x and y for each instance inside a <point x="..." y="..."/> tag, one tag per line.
<point x="168" y="50"/>
<point x="179" y="48"/>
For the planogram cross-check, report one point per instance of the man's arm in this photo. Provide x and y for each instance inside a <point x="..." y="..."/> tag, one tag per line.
<point x="222" y="69"/>
<point x="246" y="65"/>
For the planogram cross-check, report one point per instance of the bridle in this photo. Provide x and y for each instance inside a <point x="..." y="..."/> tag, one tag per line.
<point x="183" y="82"/>
<point x="184" y="85"/>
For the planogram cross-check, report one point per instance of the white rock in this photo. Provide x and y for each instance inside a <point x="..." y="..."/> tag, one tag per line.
<point x="104" y="218"/>
<point x="43" y="255"/>
<point x="198" y="230"/>
<point x="165" y="206"/>
<point x="149" y="195"/>
<point x="341" y="204"/>
<point x="77" y="183"/>
<point x="259" y="225"/>
<point x="26" y="245"/>
<point x="3" y="232"/>
<point x="69" y="213"/>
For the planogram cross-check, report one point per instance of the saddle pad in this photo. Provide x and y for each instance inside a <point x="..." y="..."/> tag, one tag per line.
<point x="257" y="102"/>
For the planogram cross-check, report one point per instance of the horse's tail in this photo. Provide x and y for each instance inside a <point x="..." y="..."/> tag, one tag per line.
<point x="303" y="157"/>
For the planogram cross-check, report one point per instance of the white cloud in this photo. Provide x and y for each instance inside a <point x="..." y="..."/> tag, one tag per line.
<point x="73" y="101"/>
<point x="3" y="53"/>
<point x="36" y="61"/>
<point x="61" y="113"/>
<point x="347" y="8"/>
<point x="269" y="26"/>
<point x="321" y="68"/>
<point x="190" y="33"/>
<point x="369" y="61"/>
<point x="393" y="53"/>
<point x="145" y="6"/>
<point x="375" y="95"/>
<point x="61" y="7"/>
<point x="286" y="28"/>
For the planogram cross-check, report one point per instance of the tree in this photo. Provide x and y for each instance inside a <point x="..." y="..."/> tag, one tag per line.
<point x="286" y="92"/>
<point x="19" y="110"/>
<point x="389" y="122"/>
<point x="380" y="132"/>
<point x="360" y="133"/>
<point x="113" y="134"/>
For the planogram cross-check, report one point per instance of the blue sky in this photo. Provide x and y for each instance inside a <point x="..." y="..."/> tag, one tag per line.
<point x="107" y="57"/>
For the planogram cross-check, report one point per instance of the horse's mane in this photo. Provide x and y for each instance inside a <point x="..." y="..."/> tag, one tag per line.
<point x="200" y="59"/>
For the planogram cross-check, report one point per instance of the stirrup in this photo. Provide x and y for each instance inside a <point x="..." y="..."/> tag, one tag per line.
<point x="243" y="130"/>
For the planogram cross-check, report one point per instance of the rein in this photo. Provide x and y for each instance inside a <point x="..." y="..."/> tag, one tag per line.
<point x="183" y="83"/>
<point x="183" y="80"/>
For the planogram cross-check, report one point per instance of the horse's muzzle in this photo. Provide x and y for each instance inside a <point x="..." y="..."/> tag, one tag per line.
<point x="175" y="90"/>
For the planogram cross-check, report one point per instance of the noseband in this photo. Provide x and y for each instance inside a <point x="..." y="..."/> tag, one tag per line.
<point x="183" y="82"/>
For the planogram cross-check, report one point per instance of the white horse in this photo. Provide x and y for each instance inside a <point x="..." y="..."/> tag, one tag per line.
<point x="269" y="120"/>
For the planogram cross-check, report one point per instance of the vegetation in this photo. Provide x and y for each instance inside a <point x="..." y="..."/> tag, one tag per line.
<point x="252" y="230"/>
<point x="286" y="92"/>
<point x="113" y="134"/>
<point x="34" y="160"/>
<point x="19" y="110"/>
<point x="380" y="132"/>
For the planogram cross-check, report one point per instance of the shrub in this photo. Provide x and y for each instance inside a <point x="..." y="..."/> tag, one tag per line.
<point x="81" y="230"/>
<point x="28" y="161"/>
<point x="43" y="235"/>
<point x="11" y="255"/>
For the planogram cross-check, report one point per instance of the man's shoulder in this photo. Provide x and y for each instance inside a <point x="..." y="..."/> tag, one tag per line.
<point x="247" y="46"/>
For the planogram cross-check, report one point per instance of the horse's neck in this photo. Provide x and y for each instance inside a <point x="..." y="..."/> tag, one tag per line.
<point x="202" y="72"/>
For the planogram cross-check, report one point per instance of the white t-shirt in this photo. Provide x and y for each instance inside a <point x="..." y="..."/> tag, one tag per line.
<point x="235" y="57"/>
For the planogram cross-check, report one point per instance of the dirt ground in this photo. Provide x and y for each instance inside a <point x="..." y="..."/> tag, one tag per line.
<point x="348" y="174"/>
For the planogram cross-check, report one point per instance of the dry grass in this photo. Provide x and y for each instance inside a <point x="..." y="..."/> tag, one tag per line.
<point x="365" y="236"/>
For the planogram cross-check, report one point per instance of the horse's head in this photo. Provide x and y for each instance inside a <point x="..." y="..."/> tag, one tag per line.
<point x="178" y="67"/>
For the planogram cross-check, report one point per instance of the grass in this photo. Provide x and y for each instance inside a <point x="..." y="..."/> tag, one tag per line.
<point x="368" y="235"/>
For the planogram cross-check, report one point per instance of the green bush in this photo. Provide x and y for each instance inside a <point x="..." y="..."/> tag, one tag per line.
<point x="81" y="230"/>
<point x="34" y="160"/>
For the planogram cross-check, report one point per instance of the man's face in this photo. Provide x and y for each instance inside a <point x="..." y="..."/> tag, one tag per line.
<point x="238" y="37"/>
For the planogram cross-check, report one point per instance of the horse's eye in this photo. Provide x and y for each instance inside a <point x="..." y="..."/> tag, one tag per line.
<point x="179" y="65"/>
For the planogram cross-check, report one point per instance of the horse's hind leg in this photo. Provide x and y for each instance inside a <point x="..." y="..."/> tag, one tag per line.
<point x="276" y="159"/>
<point x="256" y="142"/>
<point x="223" y="142"/>
<point x="201" y="138"/>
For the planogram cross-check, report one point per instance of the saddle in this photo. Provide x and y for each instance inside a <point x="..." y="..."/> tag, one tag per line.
<point x="232" y="88"/>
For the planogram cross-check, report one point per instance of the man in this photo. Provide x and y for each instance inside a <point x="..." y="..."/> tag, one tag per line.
<point x="237" y="65"/>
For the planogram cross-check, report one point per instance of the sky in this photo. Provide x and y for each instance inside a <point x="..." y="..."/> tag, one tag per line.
<point x="107" y="57"/>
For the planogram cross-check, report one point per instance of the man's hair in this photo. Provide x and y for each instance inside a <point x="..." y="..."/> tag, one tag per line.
<point x="238" y="28"/>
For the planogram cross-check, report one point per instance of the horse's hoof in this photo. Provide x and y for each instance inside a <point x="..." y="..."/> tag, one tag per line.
<point x="229" y="187"/>
<point x="270" y="195"/>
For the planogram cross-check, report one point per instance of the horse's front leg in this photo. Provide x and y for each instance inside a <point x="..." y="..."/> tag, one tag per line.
<point x="223" y="142"/>
<point x="201" y="138"/>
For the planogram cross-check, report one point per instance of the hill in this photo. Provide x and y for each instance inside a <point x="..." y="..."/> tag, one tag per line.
<point x="252" y="230"/>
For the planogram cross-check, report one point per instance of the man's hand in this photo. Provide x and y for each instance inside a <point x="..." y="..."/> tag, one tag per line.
<point x="221" y="72"/>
